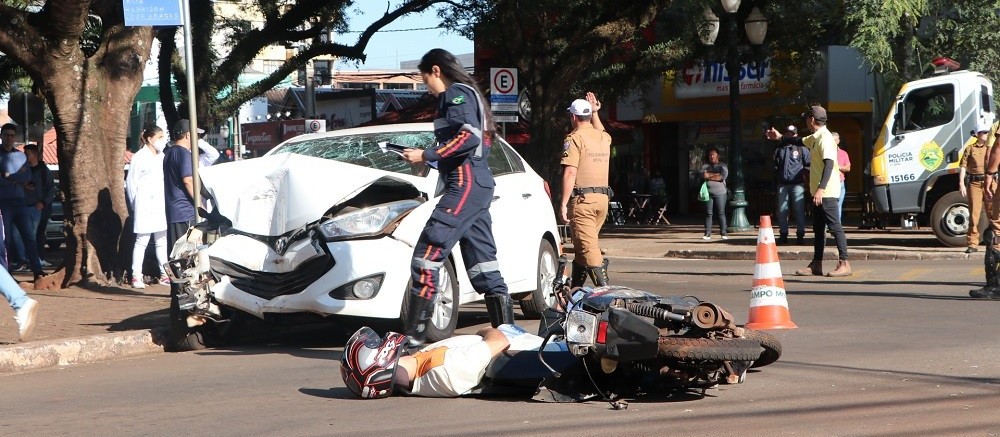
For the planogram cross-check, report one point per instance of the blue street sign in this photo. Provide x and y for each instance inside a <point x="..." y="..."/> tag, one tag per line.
<point x="152" y="12"/>
<point x="503" y="98"/>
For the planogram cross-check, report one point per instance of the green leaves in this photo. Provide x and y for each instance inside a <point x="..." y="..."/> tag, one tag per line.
<point x="901" y="37"/>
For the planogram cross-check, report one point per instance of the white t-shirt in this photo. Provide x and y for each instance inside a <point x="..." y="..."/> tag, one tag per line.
<point x="451" y="367"/>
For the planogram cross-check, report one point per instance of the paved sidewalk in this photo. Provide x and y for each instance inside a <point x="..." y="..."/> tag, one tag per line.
<point x="685" y="241"/>
<point x="77" y="325"/>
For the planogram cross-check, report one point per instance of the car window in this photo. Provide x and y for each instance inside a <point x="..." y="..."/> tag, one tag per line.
<point x="516" y="163"/>
<point x="362" y="149"/>
<point x="502" y="160"/>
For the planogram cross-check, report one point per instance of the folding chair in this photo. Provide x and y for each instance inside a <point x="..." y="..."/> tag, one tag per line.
<point x="660" y="212"/>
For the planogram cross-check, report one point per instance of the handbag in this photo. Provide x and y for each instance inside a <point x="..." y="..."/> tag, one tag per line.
<point x="703" y="193"/>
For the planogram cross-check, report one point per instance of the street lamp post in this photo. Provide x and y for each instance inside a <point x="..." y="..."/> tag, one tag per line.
<point x="224" y="131"/>
<point x="756" y="29"/>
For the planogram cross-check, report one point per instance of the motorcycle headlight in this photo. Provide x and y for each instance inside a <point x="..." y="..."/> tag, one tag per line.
<point x="366" y="222"/>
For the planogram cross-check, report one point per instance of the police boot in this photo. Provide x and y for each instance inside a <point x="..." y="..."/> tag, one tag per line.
<point x="986" y="293"/>
<point x="418" y="316"/>
<point x="990" y="265"/>
<point x="599" y="275"/>
<point x="578" y="276"/>
<point x="500" y="307"/>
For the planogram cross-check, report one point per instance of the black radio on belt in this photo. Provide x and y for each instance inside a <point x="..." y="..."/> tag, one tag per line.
<point x="577" y="191"/>
<point x="976" y="177"/>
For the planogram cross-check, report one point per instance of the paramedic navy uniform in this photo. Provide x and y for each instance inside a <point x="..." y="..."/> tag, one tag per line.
<point x="462" y="214"/>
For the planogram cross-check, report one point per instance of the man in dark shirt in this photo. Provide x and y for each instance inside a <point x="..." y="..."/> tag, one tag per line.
<point x="38" y="195"/>
<point x="178" y="182"/>
<point x="178" y="190"/>
<point x="15" y="174"/>
<point x="790" y="162"/>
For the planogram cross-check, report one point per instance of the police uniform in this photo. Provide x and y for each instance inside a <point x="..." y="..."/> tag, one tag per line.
<point x="974" y="162"/>
<point x="589" y="150"/>
<point x="991" y="261"/>
<point x="462" y="214"/>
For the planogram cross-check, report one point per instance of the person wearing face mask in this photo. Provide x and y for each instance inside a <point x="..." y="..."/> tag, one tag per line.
<point x="144" y="187"/>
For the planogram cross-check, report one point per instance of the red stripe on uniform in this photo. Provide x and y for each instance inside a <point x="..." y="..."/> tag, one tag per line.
<point x="459" y="139"/>
<point x="465" y="195"/>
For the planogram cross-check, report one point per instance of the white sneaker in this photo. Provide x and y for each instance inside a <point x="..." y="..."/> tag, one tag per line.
<point x="725" y="237"/>
<point x="46" y="263"/>
<point x="138" y="283"/>
<point x="25" y="317"/>
<point x="165" y="280"/>
<point x="706" y="237"/>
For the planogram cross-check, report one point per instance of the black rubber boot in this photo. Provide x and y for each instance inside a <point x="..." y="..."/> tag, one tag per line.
<point x="418" y="316"/>
<point x="986" y="293"/>
<point x="500" y="308"/>
<point x="578" y="276"/>
<point x="599" y="275"/>
<point x="990" y="266"/>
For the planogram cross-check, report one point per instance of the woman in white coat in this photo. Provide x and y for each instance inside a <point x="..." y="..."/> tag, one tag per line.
<point x="144" y="186"/>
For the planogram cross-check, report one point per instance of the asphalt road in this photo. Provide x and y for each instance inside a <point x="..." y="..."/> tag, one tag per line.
<point x="897" y="350"/>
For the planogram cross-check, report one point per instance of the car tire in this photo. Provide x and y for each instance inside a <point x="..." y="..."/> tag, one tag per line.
<point x="543" y="297"/>
<point x="444" y="313"/>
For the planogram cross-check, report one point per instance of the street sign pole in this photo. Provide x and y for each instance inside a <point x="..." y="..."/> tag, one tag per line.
<point x="192" y="104"/>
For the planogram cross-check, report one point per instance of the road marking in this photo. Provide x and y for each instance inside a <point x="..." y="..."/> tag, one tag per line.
<point x="913" y="274"/>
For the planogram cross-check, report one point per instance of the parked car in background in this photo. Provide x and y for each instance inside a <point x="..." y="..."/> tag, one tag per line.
<point x="326" y="224"/>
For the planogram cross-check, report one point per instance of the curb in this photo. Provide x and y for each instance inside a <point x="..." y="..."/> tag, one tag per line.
<point x="855" y="255"/>
<point x="62" y="352"/>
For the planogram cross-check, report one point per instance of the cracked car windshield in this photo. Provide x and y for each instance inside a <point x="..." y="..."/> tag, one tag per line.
<point x="363" y="149"/>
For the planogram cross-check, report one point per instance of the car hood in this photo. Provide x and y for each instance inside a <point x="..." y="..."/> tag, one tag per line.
<point x="275" y="194"/>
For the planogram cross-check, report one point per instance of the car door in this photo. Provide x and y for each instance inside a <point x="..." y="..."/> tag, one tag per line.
<point x="509" y="221"/>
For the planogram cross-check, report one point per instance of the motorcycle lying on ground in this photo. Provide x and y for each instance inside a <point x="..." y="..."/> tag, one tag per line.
<point x="615" y="342"/>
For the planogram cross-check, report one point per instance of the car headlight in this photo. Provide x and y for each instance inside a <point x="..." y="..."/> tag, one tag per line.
<point x="366" y="222"/>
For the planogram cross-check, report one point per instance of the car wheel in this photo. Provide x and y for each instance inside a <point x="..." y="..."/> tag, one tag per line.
<point x="444" y="310"/>
<point x="544" y="295"/>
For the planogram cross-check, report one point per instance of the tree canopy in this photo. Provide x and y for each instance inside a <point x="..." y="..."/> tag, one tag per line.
<point x="302" y="26"/>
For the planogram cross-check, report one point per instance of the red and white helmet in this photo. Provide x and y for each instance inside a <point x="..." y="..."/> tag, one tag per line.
<point x="368" y="363"/>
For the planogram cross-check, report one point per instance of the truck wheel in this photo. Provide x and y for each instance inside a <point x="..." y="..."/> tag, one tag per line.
<point x="950" y="219"/>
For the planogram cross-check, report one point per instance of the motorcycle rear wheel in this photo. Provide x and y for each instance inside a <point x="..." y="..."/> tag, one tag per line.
<point x="709" y="349"/>
<point x="770" y="343"/>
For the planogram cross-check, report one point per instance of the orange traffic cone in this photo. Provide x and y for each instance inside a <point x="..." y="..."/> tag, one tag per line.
<point x="768" y="304"/>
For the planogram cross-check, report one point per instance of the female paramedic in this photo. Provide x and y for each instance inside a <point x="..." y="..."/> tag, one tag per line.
<point x="463" y="130"/>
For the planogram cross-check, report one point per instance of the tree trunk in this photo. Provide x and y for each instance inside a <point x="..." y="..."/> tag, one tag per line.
<point x="91" y="116"/>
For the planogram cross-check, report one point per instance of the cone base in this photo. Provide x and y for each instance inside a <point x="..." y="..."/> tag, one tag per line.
<point x="770" y="317"/>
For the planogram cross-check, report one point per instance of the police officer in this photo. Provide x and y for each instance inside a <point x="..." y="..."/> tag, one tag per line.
<point x="991" y="262"/>
<point x="462" y="215"/>
<point x="971" y="175"/>
<point x="585" y="192"/>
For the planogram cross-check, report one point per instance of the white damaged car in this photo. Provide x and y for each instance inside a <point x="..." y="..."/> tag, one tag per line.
<point x="326" y="224"/>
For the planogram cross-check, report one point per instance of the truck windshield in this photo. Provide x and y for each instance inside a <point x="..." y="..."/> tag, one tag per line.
<point x="928" y="107"/>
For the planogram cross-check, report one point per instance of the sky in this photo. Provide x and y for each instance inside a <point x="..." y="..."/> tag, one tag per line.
<point x="388" y="49"/>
